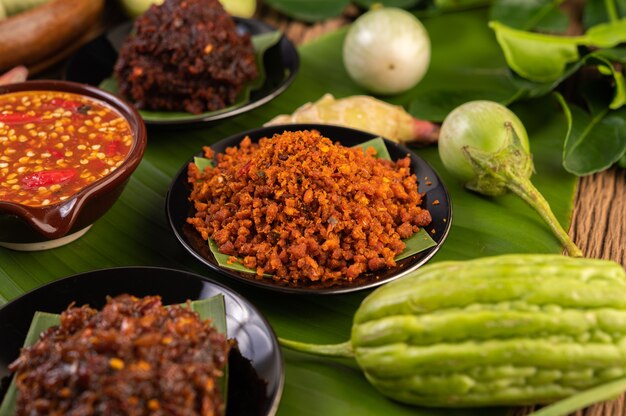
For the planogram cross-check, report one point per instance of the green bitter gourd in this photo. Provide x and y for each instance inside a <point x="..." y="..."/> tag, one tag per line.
<point x="506" y="330"/>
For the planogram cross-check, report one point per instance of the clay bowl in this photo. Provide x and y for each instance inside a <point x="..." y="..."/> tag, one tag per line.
<point x="31" y="228"/>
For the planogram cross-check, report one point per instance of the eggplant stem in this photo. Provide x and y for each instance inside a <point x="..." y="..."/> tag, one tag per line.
<point x="329" y="350"/>
<point x="510" y="168"/>
<point x="524" y="188"/>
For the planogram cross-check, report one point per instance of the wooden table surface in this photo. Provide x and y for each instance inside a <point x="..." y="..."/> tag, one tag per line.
<point x="599" y="219"/>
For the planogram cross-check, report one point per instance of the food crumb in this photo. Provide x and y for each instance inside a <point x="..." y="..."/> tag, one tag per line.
<point x="116" y="363"/>
<point x="436" y="202"/>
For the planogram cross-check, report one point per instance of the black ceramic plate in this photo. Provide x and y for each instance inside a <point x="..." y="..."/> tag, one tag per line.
<point x="94" y="62"/>
<point x="179" y="208"/>
<point x="252" y="390"/>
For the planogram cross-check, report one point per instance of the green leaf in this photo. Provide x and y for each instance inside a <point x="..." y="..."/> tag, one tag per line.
<point x="532" y="89"/>
<point x="418" y="242"/>
<point x="617" y="54"/>
<point x="403" y="4"/>
<point x="619" y="95"/>
<point x="530" y="14"/>
<point x="537" y="57"/>
<point x="545" y="58"/>
<point x="223" y="260"/>
<point x="605" y="35"/>
<point x="436" y="105"/>
<point x="261" y="44"/>
<point x="309" y="10"/>
<point x="377" y="144"/>
<point x="595" y="11"/>
<point x="202" y="163"/>
<point x="529" y="89"/>
<point x="453" y="5"/>
<point x="41" y="321"/>
<point x="211" y="308"/>
<point x="593" y="142"/>
<point x="556" y="21"/>
<point x="135" y="230"/>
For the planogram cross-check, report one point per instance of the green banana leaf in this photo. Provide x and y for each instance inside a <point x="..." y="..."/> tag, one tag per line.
<point x="211" y="308"/>
<point x="419" y="241"/>
<point x="309" y="10"/>
<point x="135" y="231"/>
<point x="41" y="321"/>
<point x="543" y="15"/>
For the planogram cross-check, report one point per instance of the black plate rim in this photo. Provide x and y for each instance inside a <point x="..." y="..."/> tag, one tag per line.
<point x="427" y="254"/>
<point x="273" y="409"/>
<point x="284" y="44"/>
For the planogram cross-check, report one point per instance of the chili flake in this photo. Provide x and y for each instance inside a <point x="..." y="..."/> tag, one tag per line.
<point x="53" y="144"/>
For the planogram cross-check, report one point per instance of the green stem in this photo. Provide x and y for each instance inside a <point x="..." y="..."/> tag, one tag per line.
<point x="334" y="350"/>
<point x="611" y="10"/>
<point x="527" y="191"/>
<point x="597" y="394"/>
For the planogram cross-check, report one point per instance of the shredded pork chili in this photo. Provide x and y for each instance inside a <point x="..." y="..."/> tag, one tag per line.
<point x="301" y="208"/>
<point x="135" y="357"/>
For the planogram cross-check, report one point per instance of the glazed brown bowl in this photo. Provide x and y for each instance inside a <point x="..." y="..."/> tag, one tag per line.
<point x="25" y="227"/>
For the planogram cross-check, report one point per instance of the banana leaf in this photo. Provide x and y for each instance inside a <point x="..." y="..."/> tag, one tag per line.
<point x="135" y="231"/>
<point x="418" y="242"/>
<point x="211" y="308"/>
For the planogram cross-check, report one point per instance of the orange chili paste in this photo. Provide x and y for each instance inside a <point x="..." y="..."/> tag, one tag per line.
<point x="53" y="144"/>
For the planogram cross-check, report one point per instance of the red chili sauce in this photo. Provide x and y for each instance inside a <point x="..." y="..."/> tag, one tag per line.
<point x="53" y="144"/>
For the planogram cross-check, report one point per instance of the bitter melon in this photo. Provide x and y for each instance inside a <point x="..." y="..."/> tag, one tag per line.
<point x="506" y="330"/>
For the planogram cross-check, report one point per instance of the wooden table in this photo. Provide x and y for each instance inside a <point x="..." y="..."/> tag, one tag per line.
<point x="599" y="219"/>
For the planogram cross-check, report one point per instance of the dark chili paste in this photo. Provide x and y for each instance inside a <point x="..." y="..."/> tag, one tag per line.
<point x="185" y="55"/>
<point x="53" y="144"/>
<point x="135" y="357"/>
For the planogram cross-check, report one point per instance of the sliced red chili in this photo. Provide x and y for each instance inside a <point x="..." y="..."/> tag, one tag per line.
<point x="66" y="104"/>
<point x="113" y="148"/>
<point x="48" y="177"/>
<point x="18" y="118"/>
<point x="56" y="154"/>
